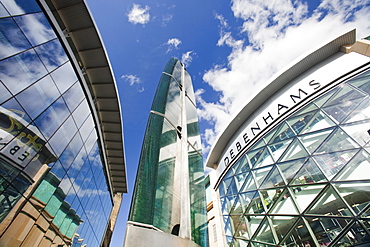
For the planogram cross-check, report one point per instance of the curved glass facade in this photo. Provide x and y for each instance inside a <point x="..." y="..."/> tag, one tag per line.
<point x="157" y="195"/>
<point x="53" y="188"/>
<point x="306" y="182"/>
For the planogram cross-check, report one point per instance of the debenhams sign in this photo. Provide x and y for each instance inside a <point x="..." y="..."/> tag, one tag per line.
<point x="282" y="104"/>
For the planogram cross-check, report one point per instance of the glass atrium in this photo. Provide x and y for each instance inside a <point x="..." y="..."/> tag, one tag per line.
<point x="306" y="182"/>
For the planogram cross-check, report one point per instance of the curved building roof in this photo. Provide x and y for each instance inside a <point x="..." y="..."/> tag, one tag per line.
<point x="273" y="85"/>
<point x="79" y="31"/>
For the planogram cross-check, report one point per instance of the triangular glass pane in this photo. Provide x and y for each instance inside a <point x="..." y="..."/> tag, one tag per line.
<point x="227" y="202"/>
<point x="241" y="242"/>
<point x="341" y="111"/>
<point x="306" y="194"/>
<point x="360" y="113"/>
<point x="290" y="168"/>
<point x="361" y="81"/>
<point x="227" y="182"/>
<point x="299" y="122"/>
<point x="308" y="174"/>
<point x="356" y="169"/>
<point x="253" y="156"/>
<point x="358" y="131"/>
<point x="318" y="122"/>
<point x="270" y="134"/>
<point x="249" y="225"/>
<point x="236" y="209"/>
<point x="349" y="239"/>
<point x="249" y="184"/>
<point x="327" y="228"/>
<point x="284" y="132"/>
<point x="298" y="236"/>
<point x="337" y="141"/>
<point x="273" y="180"/>
<point x="270" y="196"/>
<point x="265" y="159"/>
<point x="345" y="95"/>
<point x="294" y="151"/>
<point x="277" y="149"/>
<point x="326" y="201"/>
<point x="332" y="163"/>
<point x="261" y="173"/>
<point x="356" y="194"/>
<point x="282" y="225"/>
<point x="240" y="179"/>
<point x="312" y="140"/>
<point x="264" y="233"/>
<point x="233" y="189"/>
<point x="259" y="144"/>
<point x="284" y="204"/>
<point x="322" y="100"/>
<point x="255" y="206"/>
<point x="246" y="199"/>
<point x="228" y="223"/>
<point x="366" y="213"/>
<point x="242" y="165"/>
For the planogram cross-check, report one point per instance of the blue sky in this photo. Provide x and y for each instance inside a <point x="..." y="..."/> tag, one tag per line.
<point x="229" y="48"/>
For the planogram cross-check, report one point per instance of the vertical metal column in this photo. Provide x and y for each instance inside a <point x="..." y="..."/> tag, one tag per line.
<point x="185" y="222"/>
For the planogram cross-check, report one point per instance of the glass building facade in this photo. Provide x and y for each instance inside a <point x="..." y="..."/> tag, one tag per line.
<point x="54" y="187"/>
<point x="157" y="198"/>
<point x="305" y="180"/>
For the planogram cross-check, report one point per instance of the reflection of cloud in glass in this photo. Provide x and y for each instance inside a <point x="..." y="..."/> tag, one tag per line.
<point x="52" y="54"/>
<point x="36" y="28"/>
<point x="20" y="71"/>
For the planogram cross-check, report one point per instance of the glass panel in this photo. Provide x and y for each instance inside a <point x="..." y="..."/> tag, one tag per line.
<point x="284" y="133"/>
<point x="312" y="140"/>
<point x="38" y="97"/>
<point x="283" y="203"/>
<point x="344" y="96"/>
<point x="332" y="163"/>
<point x="355" y="236"/>
<point x="299" y="122"/>
<point x="341" y="111"/>
<point x="249" y="184"/>
<point x="261" y="173"/>
<point x="319" y="122"/>
<point x="265" y="159"/>
<point x="308" y="174"/>
<point x="12" y="39"/>
<point x="240" y="179"/>
<point x="290" y="168"/>
<point x="357" y="194"/>
<point x="361" y="81"/>
<point x="36" y="28"/>
<point x="20" y="71"/>
<point x="251" y="224"/>
<point x="278" y="149"/>
<point x="64" y="77"/>
<point x="358" y="131"/>
<point x="259" y="144"/>
<point x="254" y="206"/>
<point x="52" y="54"/>
<point x="306" y="194"/>
<point x="264" y="233"/>
<point x="274" y="179"/>
<point x="294" y="151"/>
<point x="299" y="236"/>
<point x="323" y="99"/>
<point x="282" y="225"/>
<point x="242" y="165"/>
<point x="22" y="7"/>
<point x="328" y="203"/>
<point x="253" y="156"/>
<point x="337" y="141"/>
<point x="356" y="169"/>
<point x="74" y="96"/>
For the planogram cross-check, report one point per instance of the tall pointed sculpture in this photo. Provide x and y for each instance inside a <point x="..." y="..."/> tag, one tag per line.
<point x="169" y="193"/>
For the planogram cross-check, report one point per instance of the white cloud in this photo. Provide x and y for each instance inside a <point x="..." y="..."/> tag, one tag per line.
<point x="139" y="15"/>
<point x="173" y="44"/>
<point x="187" y="58"/>
<point x="166" y="18"/>
<point x="276" y="33"/>
<point x="133" y="80"/>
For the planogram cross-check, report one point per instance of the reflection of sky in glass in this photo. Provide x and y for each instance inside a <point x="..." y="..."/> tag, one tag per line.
<point x="54" y="103"/>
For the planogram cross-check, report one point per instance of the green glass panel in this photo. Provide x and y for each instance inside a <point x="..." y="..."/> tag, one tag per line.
<point x="294" y="151"/>
<point x="323" y="99"/>
<point x="308" y="109"/>
<point x="255" y="205"/>
<point x="274" y="179"/>
<point x="356" y="169"/>
<point x="332" y="163"/>
<point x="290" y="168"/>
<point x="361" y="81"/>
<point x="305" y="194"/>
<point x="356" y="194"/>
<point x="254" y="156"/>
<point x="240" y="180"/>
<point x="264" y="233"/>
<point x="282" y="225"/>
<point x="327" y="203"/>
<point x="259" y="144"/>
<point x="247" y="198"/>
<point x="318" y="122"/>
<point x="337" y="141"/>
